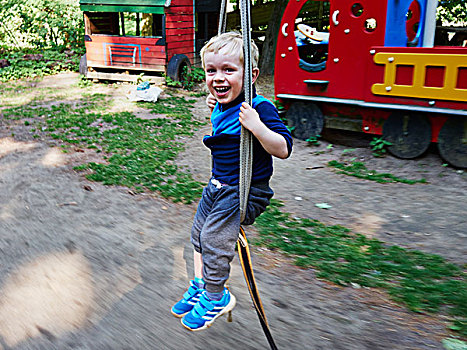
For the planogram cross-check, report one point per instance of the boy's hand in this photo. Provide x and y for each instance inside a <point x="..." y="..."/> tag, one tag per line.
<point x="211" y="102"/>
<point x="249" y="118"/>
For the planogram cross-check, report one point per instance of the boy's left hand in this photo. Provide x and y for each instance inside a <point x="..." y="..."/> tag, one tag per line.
<point x="211" y="102"/>
<point x="249" y="118"/>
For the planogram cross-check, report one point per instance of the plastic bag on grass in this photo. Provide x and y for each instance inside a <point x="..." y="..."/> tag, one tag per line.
<point x="144" y="92"/>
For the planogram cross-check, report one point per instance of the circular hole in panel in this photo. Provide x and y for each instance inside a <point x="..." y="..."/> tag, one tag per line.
<point x="370" y="24"/>
<point x="357" y="9"/>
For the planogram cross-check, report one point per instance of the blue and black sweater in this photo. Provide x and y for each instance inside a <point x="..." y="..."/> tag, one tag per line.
<point x="224" y="142"/>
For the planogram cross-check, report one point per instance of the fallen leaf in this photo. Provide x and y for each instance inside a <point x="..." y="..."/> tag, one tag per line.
<point x="323" y="205"/>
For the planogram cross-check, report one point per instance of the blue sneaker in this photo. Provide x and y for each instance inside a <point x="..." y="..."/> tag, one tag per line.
<point x="189" y="300"/>
<point x="206" y="311"/>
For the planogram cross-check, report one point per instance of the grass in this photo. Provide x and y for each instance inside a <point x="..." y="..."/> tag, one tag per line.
<point x="423" y="282"/>
<point x="137" y="153"/>
<point x="358" y="169"/>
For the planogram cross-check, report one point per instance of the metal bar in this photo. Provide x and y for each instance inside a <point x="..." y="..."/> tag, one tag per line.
<point x="374" y="104"/>
<point x="430" y="23"/>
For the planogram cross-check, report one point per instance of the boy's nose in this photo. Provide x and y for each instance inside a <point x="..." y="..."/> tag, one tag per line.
<point x="219" y="76"/>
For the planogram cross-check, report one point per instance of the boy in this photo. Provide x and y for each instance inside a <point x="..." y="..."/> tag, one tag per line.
<point x="217" y="221"/>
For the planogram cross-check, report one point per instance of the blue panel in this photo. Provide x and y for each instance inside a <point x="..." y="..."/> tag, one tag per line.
<point x="396" y="35"/>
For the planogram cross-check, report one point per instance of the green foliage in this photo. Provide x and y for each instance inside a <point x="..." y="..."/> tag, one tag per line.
<point x="41" y="24"/>
<point x="423" y="282"/>
<point x="279" y="105"/>
<point x="130" y="23"/>
<point x="198" y="94"/>
<point x="51" y="30"/>
<point x="460" y="325"/>
<point x="378" y="146"/>
<point x="197" y="74"/>
<point x="172" y="83"/>
<point x="84" y="82"/>
<point x="454" y="344"/>
<point x="189" y="78"/>
<point x="290" y="128"/>
<point x="141" y="79"/>
<point x="48" y="62"/>
<point x="358" y="169"/>
<point x="313" y="140"/>
<point x="452" y="11"/>
<point x="139" y="153"/>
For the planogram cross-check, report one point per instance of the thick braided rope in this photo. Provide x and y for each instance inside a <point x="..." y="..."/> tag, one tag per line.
<point x="246" y="162"/>
<point x="246" y="139"/>
<point x="222" y="18"/>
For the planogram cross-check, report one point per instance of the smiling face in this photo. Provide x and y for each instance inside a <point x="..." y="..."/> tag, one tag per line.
<point x="224" y="75"/>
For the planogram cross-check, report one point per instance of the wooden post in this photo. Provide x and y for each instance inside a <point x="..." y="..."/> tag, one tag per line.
<point x="122" y="21"/>
<point x="137" y="25"/>
<point x="87" y="24"/>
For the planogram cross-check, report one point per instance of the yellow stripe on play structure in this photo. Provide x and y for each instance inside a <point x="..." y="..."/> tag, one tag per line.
<point x="419" y="61"/>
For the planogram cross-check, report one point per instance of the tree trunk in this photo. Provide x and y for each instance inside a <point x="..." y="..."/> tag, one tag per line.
<point x="269" y="46"/>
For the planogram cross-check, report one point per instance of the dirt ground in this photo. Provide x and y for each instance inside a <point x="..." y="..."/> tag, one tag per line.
<point x="85" y="266"/>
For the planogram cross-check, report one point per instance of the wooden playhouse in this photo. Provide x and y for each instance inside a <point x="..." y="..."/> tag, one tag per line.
<point x="124" y="38"/>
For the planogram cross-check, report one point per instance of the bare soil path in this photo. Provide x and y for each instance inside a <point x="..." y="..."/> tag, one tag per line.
<point x="85" y="266"/>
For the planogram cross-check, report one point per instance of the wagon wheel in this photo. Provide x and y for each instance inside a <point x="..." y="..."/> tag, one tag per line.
<point x="452" y="142"/>
<point x="409" y="133"/>
<point x="305" y="119"/>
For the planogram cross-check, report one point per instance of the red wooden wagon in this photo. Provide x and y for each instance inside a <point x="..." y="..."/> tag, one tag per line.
<point x="150" y="36"/>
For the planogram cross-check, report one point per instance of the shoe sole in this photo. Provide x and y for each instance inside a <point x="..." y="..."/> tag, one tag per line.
<point x="228" y="307"/>
<point x="178" y="315"/>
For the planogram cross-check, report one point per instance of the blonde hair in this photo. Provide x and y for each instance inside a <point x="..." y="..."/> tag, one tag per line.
<point x="231" y="42"/>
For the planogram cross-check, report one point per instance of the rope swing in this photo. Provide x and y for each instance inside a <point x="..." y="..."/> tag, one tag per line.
<point x="246" y="164"/>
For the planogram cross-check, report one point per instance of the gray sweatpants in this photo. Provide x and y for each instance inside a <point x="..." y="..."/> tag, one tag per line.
<point x="216" y="226"/>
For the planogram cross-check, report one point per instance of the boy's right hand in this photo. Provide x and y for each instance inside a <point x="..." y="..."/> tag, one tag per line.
<point x="211" y="101"/>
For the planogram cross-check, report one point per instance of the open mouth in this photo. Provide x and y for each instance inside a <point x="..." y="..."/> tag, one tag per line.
<point x="222" y="90"/>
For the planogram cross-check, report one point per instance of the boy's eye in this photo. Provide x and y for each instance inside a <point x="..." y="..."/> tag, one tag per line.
<point x="210" y="70"/>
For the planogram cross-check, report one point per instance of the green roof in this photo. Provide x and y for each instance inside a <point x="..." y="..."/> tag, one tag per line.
<point x="144" y="6"/>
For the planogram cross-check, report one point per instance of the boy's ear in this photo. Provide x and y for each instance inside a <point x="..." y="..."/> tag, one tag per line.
<point x="254" y="74"/>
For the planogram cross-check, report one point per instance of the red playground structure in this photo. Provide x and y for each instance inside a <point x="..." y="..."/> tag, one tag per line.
<point x="126" y="37"/>
<point x="375" y="67"/>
